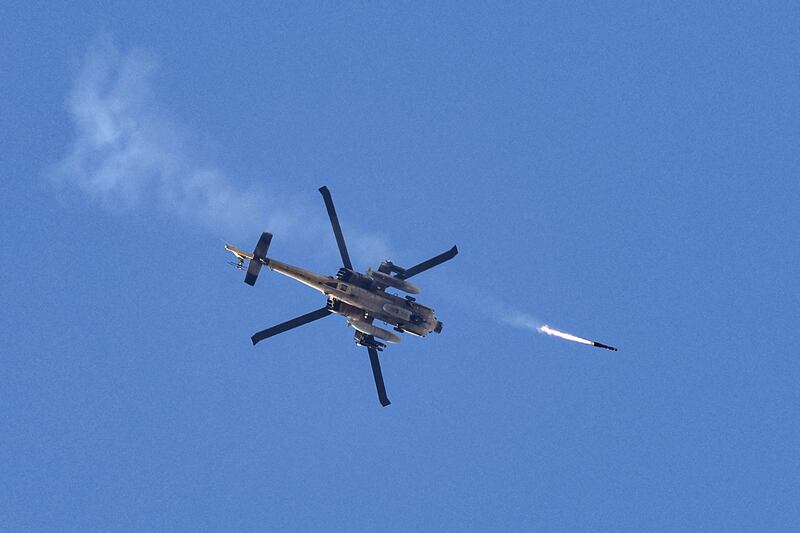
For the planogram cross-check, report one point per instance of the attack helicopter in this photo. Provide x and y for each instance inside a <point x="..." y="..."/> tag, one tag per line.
<point x="361" y="297"/>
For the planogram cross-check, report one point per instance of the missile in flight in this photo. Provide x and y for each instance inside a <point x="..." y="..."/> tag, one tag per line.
<point x="601" y="345"/>
<point x="566" y="336"/>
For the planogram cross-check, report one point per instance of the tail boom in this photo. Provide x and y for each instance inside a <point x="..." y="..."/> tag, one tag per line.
<point x="257" y="259"/>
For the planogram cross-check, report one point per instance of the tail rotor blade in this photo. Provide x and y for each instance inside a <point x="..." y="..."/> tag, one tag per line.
<point x="378" y="375"/>
<point x="430" y="263"/>
<point x="290" y="324"/>
<point x="262" y="246"/>
<point x="252" y="272"/>
<point x="337" y="230"/>
<point x="259" y="258"/>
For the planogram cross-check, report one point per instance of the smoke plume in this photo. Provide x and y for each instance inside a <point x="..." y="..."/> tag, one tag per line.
<point x="129" y="154"/>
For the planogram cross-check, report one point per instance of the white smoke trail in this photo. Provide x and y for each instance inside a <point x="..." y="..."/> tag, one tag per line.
<point x="490" y="307"/>
<point x="566" y="336"/>
<point x="510" y="317"/>
<point x="504" y="315"/>
<point x="128" y="152"/>
<point x="522" y="320"/>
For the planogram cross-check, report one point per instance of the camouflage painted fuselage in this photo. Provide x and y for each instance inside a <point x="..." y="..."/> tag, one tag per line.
<point x="359" y="297"/>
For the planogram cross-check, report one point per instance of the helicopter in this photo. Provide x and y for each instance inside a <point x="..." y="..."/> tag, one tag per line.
<point x="361" y="297"/>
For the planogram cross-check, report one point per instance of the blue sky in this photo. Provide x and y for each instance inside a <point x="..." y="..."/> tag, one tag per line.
<point x="624" y="172"/>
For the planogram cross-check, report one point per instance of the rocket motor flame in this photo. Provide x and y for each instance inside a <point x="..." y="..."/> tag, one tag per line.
<point x="566" y="336"/>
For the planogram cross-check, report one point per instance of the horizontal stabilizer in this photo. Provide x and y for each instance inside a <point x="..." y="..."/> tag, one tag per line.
<point x="259" y="258"/>
<point x="263" y="245"/>
<point x="252" y="272"/>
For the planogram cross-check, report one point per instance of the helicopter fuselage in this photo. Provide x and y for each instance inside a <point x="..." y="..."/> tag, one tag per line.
<point x="362" y="298"/>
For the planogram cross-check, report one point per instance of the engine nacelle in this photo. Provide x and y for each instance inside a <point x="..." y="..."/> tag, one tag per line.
<point x="392" y="281"/>
<point x="375" y="331"/>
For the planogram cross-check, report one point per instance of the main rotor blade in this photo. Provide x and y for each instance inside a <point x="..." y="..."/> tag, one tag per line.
<point x="376" y="372"/>
<point x="290" y="324"/>
<point x="337" y="229"/>
<point x="430" y="263"/>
